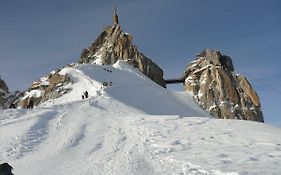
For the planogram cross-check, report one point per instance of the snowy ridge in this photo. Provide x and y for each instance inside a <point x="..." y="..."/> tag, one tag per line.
<point x="133" y="126"/>
<point x="129" y="88"/>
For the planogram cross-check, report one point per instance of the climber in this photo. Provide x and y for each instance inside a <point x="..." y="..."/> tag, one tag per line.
<point x="83" y="97"/>
<point x="30" y="104"/>
<point x="86" y="94"/>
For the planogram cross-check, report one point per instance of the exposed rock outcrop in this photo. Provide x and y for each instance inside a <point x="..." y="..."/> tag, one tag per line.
<point x="6" y="97"/>
<point x="216" y="88"/>
<point x="47" y="88"/>
<point x="4" y="90"/>
<point x="113" y="44"/>
<point x="3" y="86"/>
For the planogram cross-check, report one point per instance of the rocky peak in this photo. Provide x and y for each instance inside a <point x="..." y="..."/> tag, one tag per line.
<point x="214" y="57"/>
<point x="112" y="45"/>
<point x="216" y="88"/>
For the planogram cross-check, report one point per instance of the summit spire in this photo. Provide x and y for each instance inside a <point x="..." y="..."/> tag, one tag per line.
<point x="115" y="16"/>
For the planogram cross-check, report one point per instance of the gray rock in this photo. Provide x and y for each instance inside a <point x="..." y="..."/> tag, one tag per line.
<point x="4" y="90"/>
<point x="52" y="90"/>
<point x="3" y="86"/>
<point x="113" y="45"/>
<point x="215" y="87"/>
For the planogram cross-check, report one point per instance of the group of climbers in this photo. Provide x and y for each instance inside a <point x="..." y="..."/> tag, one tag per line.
<point x="85" y="95"/>
<point x="108" y="70"/>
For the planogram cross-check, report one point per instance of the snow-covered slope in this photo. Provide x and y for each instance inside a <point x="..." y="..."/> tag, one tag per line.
<point x="132" y="127"/>
<point x="121" y="86"/>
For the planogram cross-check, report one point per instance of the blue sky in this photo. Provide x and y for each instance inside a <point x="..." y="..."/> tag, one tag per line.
<point x="37" y="36"/>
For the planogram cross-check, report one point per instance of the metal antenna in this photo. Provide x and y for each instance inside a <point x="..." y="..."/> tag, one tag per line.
<point x="115" y="16"/>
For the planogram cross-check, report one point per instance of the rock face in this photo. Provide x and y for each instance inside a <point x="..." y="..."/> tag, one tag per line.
<point x="113" y="44"/>
<point x="3" y="86"/>
<point x="47" y="88"/>
<point x="3" y="93"/>
<point x="216" y="88"/>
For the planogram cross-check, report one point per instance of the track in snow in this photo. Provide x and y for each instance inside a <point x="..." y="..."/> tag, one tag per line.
<point x="68" y="140"/>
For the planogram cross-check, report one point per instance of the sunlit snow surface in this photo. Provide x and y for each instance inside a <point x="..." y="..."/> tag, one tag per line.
<point x="131" y="127"/>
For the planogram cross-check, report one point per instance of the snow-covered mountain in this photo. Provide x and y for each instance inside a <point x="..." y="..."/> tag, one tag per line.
<point x="121" y="81"/>
<point x="210" y="78"/>
<point x="131" y="125"/>
<point x="113" y="44"/>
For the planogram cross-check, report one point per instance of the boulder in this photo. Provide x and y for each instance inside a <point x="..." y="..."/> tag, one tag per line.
<point x="216" y="88"/>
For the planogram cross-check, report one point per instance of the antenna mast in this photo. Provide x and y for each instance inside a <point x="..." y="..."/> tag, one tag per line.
<point x="115" y="16"/>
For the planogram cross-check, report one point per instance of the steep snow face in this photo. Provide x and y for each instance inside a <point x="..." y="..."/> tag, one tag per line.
<point x="84" y="137"/>
<point x="125" y="86"/>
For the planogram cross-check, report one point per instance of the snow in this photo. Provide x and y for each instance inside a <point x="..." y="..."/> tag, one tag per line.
<point x="202" y="69"/>
<point x="33" y="93"/>
<point x="97" y="57"/>
<point x="214" y="106"/>
<point x="132" y="127"/>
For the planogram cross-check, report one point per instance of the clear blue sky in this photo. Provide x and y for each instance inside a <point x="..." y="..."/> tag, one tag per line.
<point x="37" y="36"/>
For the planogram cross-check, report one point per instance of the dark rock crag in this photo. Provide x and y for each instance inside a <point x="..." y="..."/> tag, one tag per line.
<point x="4" y="90"/>
<point x="217" y="89"/>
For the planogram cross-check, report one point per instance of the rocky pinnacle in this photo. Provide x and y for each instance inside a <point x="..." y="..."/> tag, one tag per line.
<point x="216" y="88"/>
<point x="113" y="44"/>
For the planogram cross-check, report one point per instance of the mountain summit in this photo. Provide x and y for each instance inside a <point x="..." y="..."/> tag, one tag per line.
<point x="210" y="78"/>
<point x="216" y="88"/>
<point x="113" y="44"/>
<point x="107" y="115"/>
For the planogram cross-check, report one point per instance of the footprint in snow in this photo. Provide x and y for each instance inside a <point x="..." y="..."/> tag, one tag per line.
<point x="226" y="161"/>
<point x="223" y="155"/>
<point x="253" y="159"/>
<point x="176" y="142"/>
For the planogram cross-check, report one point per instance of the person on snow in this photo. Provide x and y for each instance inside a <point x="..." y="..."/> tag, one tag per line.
<point x="86" y="94"/>
<point x="30" y="104"/>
